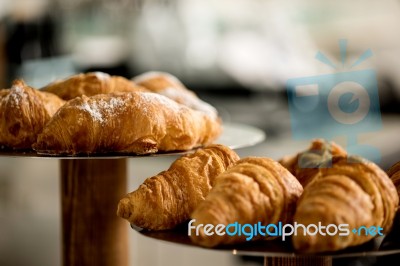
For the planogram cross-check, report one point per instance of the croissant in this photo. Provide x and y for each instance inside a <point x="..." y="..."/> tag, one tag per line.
<point x="24" y="111"/>
<point x="302" y="163"/>
<point x="353" y="192"/>
<point x="170" y="86"/>
<point x="254" y="190"/>
<point x="136" y="122"/>
<point x="90" y="84"/>
<point x="394" y="174"/>
<point x="3" y="93"/>
<point x="167" y="199"/>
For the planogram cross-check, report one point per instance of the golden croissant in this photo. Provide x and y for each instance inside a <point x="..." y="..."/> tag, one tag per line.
<point x="394" y="174"/>
<point x="351" y="194"/>
<point x="135" y="122"/>
<point x="254" y="190"/>
<point x="89" y="84"/>
<point x="167" y="199"/>
<point x="319" y="151"/>
<point x="170" y="86"/>
<point x="24" y="111"/>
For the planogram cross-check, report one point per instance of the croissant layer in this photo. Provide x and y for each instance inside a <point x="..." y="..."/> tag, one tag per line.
<point x="394" y="174"/>
<point x="136" y="122"/>
<point x="171" y="87"/>
<point x="167" y="199"/>
<point x="89" y="84"/>
<point x="302" y="163"/>
<point x="355" y="192"/>
<point x="24" y="111"/>
<point x="254" y="190"/>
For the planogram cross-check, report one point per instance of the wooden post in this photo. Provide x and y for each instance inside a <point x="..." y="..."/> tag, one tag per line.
<point x="298" y="261"/>
<point x="92" y="233"/>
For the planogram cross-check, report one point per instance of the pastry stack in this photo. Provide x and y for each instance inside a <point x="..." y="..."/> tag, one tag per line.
<point x="96" y="113"/>
<point x="322" y="185"/>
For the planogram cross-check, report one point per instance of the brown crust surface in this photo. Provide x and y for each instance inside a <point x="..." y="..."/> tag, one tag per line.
<point x="353" y="191"/>
<point x="24" y="111"/>
<point x="136" y="122"/>
<point x="167" y="199"/>
<point x="90" y="84"/>
<point x="254" y="190"/>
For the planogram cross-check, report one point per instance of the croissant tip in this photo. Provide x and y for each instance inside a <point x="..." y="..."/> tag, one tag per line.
<point x="123" y="210"/>
<point x="18" y="83"/>
<point x="19" y="80"/>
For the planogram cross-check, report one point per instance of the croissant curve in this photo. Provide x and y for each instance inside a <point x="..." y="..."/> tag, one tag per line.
<point x="394" y="174"/>
<point x="319" y="151"/>
<point x="168" y="198"/>
<point x="170" y="86"/>
<point x="24" y="111"/>
<point x="136" y="122"/>
<point x="254" y="190"/>
<point x="90" y="84"/>
<point x="353" y="191"/>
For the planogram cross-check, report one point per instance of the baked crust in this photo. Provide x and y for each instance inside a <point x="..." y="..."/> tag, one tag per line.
<point x="168" y="85"/>
<point x="135" y="122"/>
<point x="24" y="111"/>
<point x="319" y="151"/>
<point x="394" y="174"/>
<point x="254" y="190"/>
<point x="89" y="84"/>
<point x="352" y="191"/>
<point x="167" y="199"/>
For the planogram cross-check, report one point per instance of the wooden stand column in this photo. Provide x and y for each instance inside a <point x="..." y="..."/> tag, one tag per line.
<point x="92" y="233"/>
<point x="297" y="261"/>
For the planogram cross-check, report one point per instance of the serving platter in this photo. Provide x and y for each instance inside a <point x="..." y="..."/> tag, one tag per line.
<point x="234" y="135"/>
<point x="92" y="185"/>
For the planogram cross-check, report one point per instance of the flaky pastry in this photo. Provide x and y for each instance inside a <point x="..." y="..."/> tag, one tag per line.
<point x="24" y="111"/>
<point x="394" y="174"/>
<point x="254" y="190"/>
<point x="319" y="151"/>
<point x="89" y="84"/>
<point x="135" y="122"/>
<point x="167" y="199"/>
<point x="170" y="86"/>
<point x="352" y="191"/>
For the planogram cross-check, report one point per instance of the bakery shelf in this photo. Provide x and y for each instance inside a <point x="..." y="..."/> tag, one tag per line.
<point x="91" y="187"/>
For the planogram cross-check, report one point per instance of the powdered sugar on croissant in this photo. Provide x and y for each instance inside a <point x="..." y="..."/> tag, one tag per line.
<point x="136" y="122"/>
<point x="24" y="111"/>
<point x="170" y="86"/>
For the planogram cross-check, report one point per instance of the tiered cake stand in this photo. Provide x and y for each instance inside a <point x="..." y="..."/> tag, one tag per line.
<point x="91" y="187"/>
<point x="92" y="233"/>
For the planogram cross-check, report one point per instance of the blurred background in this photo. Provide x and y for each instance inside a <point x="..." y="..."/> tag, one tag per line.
<point x="237" y="55"/>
